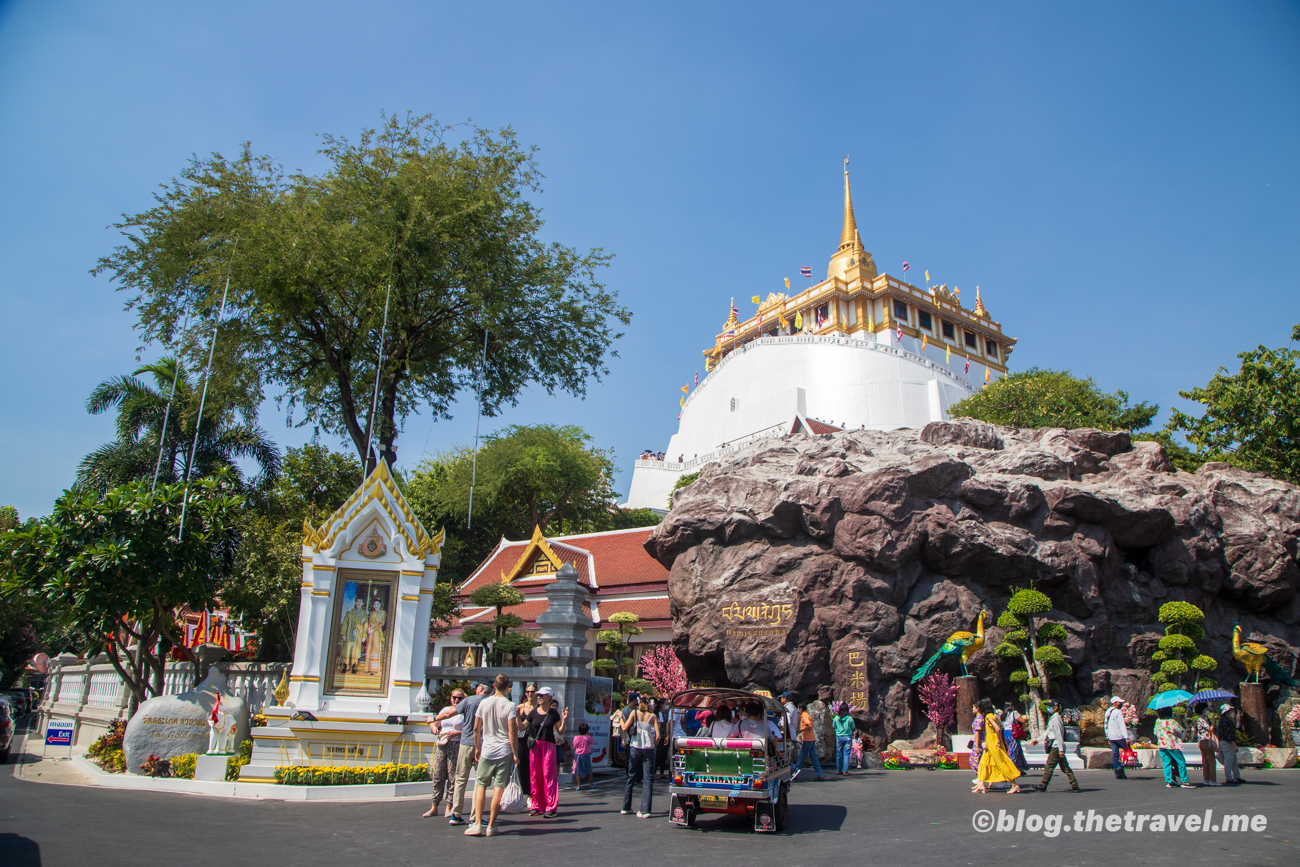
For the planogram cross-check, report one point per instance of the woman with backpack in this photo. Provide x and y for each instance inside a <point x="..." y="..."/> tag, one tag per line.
<point x="1014" y="731"/>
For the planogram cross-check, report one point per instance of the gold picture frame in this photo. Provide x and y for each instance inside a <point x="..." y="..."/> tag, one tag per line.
<point x="361" y="644"/>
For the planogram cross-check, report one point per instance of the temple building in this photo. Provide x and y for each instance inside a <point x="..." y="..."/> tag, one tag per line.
<point x="859" y="350"/>
<point x="613" y="566"/>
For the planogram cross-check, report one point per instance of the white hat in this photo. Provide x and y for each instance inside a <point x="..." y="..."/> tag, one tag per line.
<point x="546" y="690"/>
<point x="1225" y="708"/>
<point x="1114" y="699"/>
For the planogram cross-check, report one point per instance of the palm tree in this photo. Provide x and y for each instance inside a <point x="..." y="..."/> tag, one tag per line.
<point x="142" y="412"/>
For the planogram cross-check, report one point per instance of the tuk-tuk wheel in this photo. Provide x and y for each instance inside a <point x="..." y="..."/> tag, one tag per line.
<point x="782" y="810"/>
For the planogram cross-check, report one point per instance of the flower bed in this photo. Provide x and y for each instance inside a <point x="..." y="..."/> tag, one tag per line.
<point x="895" y="760"/>
<point x="303" y="775"/>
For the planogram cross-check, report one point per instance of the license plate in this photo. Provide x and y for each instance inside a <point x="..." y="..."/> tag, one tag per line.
<point x="713" y="800"/>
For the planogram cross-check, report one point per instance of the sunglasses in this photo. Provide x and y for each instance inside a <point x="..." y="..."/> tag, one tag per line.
<point x="457" y="697"/>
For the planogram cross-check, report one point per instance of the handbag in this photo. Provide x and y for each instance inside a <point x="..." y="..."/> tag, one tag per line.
<point x="1018" y="730"/>
<point x="512" y="800"/>
<point x="1128" y="758"/>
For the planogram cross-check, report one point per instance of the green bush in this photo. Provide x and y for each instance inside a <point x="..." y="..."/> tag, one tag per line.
<point x="1159" y="656"/>
<point x="1176" y="642"/>
<point x="1019" y="636"/>
<point x="1007" y="620"/>
<point x="113" y="761"/>
<point x="1173" y="667"/>
<point x="1026" y="603"/>
<point x="301" y="775"/>
<point x="1204" y="663"/>
<point x="1052" y="632"/>
<point x="236" y="762"/>
<point x="1019" y="676"/>
<point x="1181" y="613"/>
<point x="1007" y="651"/>
<point x="183" y="766"/>
<point x="1049" y="655"/>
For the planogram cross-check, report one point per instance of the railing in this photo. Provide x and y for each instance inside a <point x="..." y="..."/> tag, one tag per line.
<point x="97" y="685"/>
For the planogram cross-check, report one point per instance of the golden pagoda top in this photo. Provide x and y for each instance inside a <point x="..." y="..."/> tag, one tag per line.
<point x="858" y="301"/>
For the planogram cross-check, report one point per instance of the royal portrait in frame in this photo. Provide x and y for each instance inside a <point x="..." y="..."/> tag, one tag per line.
<point x="361" y="635"/>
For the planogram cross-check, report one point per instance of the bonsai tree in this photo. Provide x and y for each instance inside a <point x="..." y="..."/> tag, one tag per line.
<point x="1033" y="643"/>
<point x="617" y="642"/>
<point x="501" y="597"/>
<point x="514" y="645"/>
<point x="1180" y="664"/>
<point x="481" y="636"/>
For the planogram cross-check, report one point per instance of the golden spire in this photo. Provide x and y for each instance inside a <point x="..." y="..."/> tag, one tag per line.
<point x="849" y="236"/>
<point x="979" y="305"/>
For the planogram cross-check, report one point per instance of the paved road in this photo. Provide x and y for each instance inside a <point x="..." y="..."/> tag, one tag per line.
<point x="912" y="817"/>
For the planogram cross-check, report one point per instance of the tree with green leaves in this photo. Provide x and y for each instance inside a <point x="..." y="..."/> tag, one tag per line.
<point x="147" y="420"/>
<point x="1033" y="643"/>
<point x="682" y="481"/>
<point x="1251" y="418"/>
<point x="527" y="476"/>
<point x="1180" y="664"/>
<point x="437" y="238"/>
<point x="503" y="642"/>
<point x="618" y="642"/>
<point x="1053" y="398"/>
<point x="117" y="568"/>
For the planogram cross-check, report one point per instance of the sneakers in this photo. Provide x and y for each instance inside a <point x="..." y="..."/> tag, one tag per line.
<point x="1187" y="786"/>
<point x="1170" y="786"/>
<point x="491" y="831"/>
<point x="473" y="830"/>
<point x="1211" y="783"/>
<point x="641" y="815"/>
<point x="455" y="819"/>
<point x="625" y="812"/>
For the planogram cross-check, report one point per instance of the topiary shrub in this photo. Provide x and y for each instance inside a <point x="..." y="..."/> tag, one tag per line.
<point x="1179" y="664"/>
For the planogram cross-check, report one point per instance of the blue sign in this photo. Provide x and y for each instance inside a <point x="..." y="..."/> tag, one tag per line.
<point x="59" y="733"/>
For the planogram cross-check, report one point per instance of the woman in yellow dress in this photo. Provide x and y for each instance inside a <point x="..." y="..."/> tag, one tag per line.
<point x="995" y="765"/>
<point x="375" y="639"/>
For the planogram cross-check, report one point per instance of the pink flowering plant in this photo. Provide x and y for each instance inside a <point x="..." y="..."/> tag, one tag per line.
<point x="661" y="667"/>
<point x="939" y="696"/>
<point x="1293" y="716"/>
<point x="1130" y="714"/>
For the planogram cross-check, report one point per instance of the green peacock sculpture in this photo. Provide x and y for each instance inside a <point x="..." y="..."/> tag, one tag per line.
<point x="961" y="641"/>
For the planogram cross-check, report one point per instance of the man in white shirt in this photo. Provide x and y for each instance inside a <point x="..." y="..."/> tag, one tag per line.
<point x="1054" y="745"/>
<point x="1117" y="734"/>
<point x="495" y="743"/>
<point x="791" y="723"/>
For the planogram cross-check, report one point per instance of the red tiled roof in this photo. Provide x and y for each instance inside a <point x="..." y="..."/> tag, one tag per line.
<point x="819" y="427"/>
<point x="621" y="558"/>
<point x="646" y="610"/>
<point x="529" y="611"/>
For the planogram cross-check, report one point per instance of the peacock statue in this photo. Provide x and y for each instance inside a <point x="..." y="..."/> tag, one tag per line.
<point x="968" y="643"/>
<point x="1255" y="657"/>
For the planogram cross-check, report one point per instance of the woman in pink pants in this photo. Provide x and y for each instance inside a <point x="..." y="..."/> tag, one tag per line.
<point x="544" y="723"/>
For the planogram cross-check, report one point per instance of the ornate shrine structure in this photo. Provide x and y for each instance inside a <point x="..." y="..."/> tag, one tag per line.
<point x="860" y="349"/>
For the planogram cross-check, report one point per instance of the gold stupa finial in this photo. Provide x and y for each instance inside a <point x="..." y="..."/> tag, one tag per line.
<point x="979" y="305"/>
<point x="849" y="235"/>
<point x="281" y="691"/>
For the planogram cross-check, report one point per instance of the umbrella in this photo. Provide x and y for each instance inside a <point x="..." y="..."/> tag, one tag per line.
<point x="1208" y="695"/>
<point x="1168" y="698"/>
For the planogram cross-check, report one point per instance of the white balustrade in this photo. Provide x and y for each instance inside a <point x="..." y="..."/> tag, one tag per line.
<point x="70" y="687"/>
<point x="106" y="689"/>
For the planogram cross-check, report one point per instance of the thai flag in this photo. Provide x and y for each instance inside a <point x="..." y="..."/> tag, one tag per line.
<point x="697" y="377"/>
<point x="806" y="271"/>
<point x="967" y="370"/>
<point x="906" y="266"/>
<point x="900" y="334"/>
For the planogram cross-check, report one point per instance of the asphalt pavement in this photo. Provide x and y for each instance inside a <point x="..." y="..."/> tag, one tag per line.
<point x="894" y="817"/>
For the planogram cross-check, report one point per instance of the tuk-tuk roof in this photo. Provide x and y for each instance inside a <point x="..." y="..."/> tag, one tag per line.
<point x="707" y="697"/>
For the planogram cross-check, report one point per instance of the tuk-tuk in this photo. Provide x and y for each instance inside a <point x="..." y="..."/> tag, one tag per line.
<point x="745" y="775"/>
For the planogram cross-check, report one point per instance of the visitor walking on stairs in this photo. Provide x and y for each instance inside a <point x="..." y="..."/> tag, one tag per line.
<point x="545" y="722"/>
<point x="641" y="730"/>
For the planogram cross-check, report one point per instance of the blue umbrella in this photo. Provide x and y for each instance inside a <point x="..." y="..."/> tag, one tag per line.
<point x="1168" y="698"/>
<point x="1208" y="695"/>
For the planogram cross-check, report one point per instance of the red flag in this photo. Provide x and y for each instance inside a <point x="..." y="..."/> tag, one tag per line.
<point x="967" y="370"/>
<point x="697" y="377"/>
<point x="900" y="334"/>
<point x="906" y="266"/>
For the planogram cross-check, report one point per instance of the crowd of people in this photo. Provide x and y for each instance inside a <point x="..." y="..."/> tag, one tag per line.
<point x="997" y="752"/>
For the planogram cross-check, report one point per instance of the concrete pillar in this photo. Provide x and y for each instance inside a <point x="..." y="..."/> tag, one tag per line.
<point x="1254" y="712"/>
<point x="968" y="694"/>
<point x="563" y="657"/>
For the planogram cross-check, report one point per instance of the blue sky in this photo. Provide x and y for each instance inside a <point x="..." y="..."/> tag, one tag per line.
<point x="1120" y="179"/>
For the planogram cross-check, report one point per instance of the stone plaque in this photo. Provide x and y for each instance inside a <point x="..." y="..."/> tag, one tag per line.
<point x="172" y="725"/>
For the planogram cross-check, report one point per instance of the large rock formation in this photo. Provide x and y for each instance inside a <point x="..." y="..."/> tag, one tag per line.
<point x="847" y="559"/>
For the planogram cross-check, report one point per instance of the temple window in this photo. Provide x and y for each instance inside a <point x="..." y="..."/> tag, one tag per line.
<point x="991" y="349"/>
<point x="971" y="341"/>
<point x="900" y="312"/>
<point x="923" y="319"/>
<point x="948" y="332"/>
